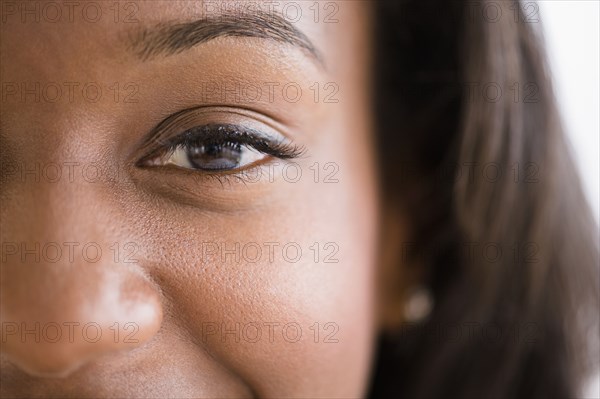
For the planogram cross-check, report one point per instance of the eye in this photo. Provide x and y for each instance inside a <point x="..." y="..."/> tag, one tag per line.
<point x="219" y="148"/>
<point x="209" y="156"/>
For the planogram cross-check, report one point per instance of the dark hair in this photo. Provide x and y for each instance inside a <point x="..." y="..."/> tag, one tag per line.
<point x="513" y="326"/>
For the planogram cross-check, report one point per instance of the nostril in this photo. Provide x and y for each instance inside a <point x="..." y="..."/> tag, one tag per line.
<point x="54" y="359"/>
<point x="68" y="325"/>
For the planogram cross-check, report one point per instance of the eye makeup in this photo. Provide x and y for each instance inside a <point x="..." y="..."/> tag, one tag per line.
<point x="220" y="147"/>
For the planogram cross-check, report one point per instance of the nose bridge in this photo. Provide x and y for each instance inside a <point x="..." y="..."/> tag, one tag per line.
<point x="56" y="226"/>
<point x="69" y="291"/>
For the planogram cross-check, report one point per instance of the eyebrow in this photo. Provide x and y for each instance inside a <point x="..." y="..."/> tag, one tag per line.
<point x="174" y="38"/>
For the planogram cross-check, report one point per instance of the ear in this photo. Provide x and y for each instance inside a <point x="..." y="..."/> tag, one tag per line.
<point x="397" y="273"/>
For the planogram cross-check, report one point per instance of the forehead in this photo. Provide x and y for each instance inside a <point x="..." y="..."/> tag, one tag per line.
<point x="106" y="28"/>
<point x="129" y="11"/>
<point x="90" y="41"/>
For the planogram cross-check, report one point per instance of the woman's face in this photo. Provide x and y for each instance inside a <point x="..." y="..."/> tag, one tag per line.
<point x="234" y="260"/>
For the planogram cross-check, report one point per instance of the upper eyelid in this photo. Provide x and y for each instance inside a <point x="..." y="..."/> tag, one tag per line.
<point x="243" y="135"/>
<point x="180" y="119"/>
<point x="224" y="133"/>
<point x="221" y="132"/>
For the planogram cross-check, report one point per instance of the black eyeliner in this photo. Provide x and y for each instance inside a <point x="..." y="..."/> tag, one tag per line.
<point x="229" y="133"/>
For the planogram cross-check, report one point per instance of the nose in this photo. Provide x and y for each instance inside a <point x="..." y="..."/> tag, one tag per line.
<point x="69" y="294"/>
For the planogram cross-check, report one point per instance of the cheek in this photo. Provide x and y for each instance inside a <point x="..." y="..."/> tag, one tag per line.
<point x="281" y="293"/>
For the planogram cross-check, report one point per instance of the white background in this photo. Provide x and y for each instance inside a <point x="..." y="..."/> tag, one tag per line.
<point x="572" y="36"/>
<point x="571" y="29"/>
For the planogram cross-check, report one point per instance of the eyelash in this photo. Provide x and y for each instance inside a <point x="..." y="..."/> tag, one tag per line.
<point x="227" y="135"/>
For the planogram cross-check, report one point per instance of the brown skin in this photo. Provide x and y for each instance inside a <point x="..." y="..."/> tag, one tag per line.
<point x="174" y="287"/>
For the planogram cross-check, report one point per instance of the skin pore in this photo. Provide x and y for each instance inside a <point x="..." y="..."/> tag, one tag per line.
<point x="189" y="285"/>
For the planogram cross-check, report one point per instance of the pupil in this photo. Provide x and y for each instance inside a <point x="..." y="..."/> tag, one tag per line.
<point x="212" y="150"/>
